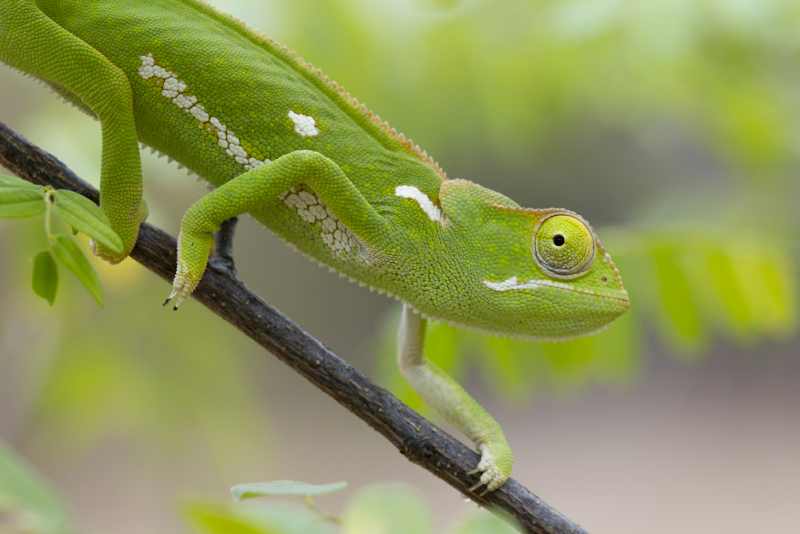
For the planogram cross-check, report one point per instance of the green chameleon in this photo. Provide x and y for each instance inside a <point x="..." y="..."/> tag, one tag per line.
<point x="282" y="142"/>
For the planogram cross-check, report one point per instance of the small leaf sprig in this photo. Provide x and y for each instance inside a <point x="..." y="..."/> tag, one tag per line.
<point x="20" y="199"/>
<point x="388" y="508"/>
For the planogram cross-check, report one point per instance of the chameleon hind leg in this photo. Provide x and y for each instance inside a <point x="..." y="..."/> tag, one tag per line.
<point x="251" y="191"/>
<point x="450" y="400"/>
<point x="34" y="43"/>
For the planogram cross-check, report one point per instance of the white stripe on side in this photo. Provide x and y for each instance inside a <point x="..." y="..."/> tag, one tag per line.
<point x="430" y="209"/>
<point x="512" y="284"/>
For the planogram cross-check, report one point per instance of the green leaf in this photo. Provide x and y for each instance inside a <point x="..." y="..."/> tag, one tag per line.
<point x="505" y="362"/>
<point x="45" y="276"/>
<point x="571" y="361"/>
<point x="217" y="519"/>
<point x="86" y="217"/>
<point x="269" y="518"/>
<point x="769" y="282"/>
<point x="679" y="313"/>
<point x="20" y="202"/>
<point x="484" y="522"/>
<point x="15" y="182"/>
<point x="25" y="501"/>
<point x="284" y="488"/>
<point x="618" y="350"/>
<point x="388" y="509"/>
<point x="69" y="254"/>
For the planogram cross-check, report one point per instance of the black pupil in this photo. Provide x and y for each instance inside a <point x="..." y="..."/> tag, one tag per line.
<point x="559" y="240"/>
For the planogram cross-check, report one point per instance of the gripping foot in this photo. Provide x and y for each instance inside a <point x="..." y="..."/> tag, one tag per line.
<point x="493" y="471"/>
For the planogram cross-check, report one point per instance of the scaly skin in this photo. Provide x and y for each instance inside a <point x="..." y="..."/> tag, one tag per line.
<point x="288" y="146"/>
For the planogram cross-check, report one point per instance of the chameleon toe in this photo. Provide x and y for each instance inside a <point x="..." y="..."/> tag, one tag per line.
<point x="491" y="475"/>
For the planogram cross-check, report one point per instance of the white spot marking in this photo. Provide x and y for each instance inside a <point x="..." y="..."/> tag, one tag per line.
<point x="431" y="210"/>
<point x="174" y="88"/>
<point x="304" y="125"/>
<point x="184" y="102"/>
<point x="218" y="125"/>
<point x="199" y="113"/>
<point x="308" y="198"/>
<point x="334" y="233"/>
<point x="160" y="72"/>
<point x="146" y="71"/>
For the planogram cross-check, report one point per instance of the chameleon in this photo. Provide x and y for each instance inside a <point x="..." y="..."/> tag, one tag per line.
<point x="279" y="140"/>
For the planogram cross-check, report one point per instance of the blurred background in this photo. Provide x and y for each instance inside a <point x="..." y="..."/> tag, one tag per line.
<point x="672" y="125"/>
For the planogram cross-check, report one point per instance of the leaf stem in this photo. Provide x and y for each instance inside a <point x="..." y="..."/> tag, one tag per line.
<point x="311" y="504"/>
<point x="48" y="206"/>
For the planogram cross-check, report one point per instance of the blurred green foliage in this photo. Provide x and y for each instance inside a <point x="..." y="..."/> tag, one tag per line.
<point x="243" y="492"/>
<point x="374" y="509"/>
<point x="27" y="504"/>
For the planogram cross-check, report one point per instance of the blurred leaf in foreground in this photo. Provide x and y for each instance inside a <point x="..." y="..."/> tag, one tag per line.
<point x="217" y="519"/>
<point x="388" y="509"/>
<point x="27" y="505"/>
<point x="483" y="522"/>
<point x="275" y="518"/>
<point x="284" y="488"/>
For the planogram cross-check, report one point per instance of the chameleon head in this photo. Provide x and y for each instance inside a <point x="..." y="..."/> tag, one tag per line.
<point x="539" y="273"/>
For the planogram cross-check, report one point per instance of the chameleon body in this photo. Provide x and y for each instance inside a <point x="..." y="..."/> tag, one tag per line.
<point x="282" y="142"/>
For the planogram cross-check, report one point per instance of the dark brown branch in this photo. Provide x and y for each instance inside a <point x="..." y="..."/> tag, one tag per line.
<point x="416" y="438"/>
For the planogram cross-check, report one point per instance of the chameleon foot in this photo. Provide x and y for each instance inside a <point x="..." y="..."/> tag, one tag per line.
<point x="493" y="472"/>
<point x="194" y="248"/>
<point x="105" y="254"/>
<point x="182" y="288"/>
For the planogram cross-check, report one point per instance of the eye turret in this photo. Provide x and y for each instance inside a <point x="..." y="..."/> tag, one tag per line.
<point x="563" y="245"/>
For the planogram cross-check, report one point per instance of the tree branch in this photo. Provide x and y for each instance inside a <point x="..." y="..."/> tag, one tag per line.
<point x="416" y="438"/>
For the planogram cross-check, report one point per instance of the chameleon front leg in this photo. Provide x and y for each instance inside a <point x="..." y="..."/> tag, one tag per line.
<point x="34" y="43"/>
<point x="450" y="400"/>
<point x="251" y="191"/>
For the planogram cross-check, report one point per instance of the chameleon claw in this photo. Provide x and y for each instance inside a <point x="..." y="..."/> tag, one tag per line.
<point x="174" y="306"/>
<point x="172" y="294"/>
<point x="176" y="298"/>
<point x="475" y="486"/>
<point x="182" y="287"/>
<point x="490" y="473"/>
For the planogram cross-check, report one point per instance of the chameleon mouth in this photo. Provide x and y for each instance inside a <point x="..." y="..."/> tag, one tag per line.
<point x="512" y="284"/>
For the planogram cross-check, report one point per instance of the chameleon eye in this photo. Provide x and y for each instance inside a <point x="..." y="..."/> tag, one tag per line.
<point x="563" y="245"/>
